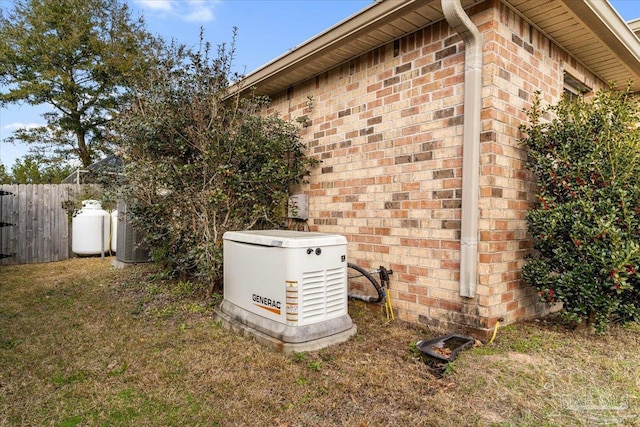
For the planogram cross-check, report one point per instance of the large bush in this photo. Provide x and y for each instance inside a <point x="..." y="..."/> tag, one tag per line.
<point x="586" y="157"/>
<point x="200" y="161"/>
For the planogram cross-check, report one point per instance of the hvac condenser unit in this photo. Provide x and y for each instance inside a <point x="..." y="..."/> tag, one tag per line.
<point x="287" y="288"/>
<point x="129" y="239"/>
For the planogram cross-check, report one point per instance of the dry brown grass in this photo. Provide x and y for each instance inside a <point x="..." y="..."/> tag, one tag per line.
<point x="83" y="344"/>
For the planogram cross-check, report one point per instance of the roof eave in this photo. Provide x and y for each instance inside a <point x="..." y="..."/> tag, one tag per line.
<point x="349" y="29"/>
<point x="599" y="16"/>
<point x="613" y="30"/>
<point x="634" y="24"/>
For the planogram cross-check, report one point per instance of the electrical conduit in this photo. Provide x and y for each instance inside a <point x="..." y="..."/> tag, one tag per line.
<point x="460" y="22"/>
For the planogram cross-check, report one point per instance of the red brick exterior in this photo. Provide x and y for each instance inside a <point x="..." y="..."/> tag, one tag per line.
<point x="387" y="127"/>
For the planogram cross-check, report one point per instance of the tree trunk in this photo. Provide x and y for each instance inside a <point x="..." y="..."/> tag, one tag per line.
<point x="83" y="152"/>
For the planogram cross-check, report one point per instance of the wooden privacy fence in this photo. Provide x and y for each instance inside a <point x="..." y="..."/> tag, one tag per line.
<point x="35" y="225"/>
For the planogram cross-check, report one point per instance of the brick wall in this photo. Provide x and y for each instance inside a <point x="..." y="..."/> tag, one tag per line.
<point x="387" y="127"/>
<point x="519" y="61"/>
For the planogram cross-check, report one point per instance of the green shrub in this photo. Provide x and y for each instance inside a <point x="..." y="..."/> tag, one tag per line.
<point x="200" y="161"/>
<point x="586" y="221"/>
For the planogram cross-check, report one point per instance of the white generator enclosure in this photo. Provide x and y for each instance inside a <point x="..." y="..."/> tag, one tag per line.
<point x="288" y="285"/>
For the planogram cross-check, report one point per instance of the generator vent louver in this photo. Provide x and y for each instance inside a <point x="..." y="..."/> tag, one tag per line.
<point x="322" y="293"/>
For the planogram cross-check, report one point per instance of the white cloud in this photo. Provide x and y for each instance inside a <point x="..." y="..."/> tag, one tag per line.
<point x="156" y="4"/>
<point x="200" y="12"/>
<point x="186" y="10"/>
<point x="18" y="125"/>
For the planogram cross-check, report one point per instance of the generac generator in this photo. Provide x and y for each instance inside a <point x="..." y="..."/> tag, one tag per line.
<point x="287" y="287"/>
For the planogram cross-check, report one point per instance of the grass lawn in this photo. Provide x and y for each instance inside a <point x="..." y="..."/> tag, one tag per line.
<point x="83" y="344"/>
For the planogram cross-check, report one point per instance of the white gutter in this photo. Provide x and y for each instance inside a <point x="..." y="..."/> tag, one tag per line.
<point x="458" y="19"/>
<point x="616" y="25"/>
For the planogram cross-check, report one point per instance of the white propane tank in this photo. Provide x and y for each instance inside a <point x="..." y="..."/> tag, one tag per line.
<point x="86" y="229"/>
<point x="114" y="230"/>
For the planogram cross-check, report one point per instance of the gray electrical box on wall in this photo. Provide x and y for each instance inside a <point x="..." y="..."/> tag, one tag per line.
<point x="298" y="206"/>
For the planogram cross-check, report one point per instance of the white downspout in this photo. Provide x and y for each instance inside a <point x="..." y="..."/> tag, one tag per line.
<point x="458" y="19"/>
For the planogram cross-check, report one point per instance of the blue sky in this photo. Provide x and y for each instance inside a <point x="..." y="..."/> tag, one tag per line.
<point x="266" y="30"/>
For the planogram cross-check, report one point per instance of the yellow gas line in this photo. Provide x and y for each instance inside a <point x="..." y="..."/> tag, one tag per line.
<point x="389" y="307"/>
<point x="495" y="332"/>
